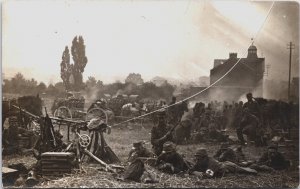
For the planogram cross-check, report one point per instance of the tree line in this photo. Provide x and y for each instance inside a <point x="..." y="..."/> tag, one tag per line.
<point x="71" y="74"/>
<point x="92" y="88"/>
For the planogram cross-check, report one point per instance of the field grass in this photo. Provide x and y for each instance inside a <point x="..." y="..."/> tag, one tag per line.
<point x="121" y="139"/>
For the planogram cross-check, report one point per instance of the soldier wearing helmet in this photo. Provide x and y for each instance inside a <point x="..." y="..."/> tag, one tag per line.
<point x="138" y="150"/>
<point x="271" y="160"/>
<point x="209" y="167"/>
<point x="170" y="161"/>
<point x="225" y="153"/>
<point x="203" y="163"/>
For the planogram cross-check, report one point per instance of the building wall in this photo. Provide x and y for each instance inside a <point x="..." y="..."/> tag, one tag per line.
<point x="245" y="77"/>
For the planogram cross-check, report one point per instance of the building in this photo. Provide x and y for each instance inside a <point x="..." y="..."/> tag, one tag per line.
<point x="242" y="75"/>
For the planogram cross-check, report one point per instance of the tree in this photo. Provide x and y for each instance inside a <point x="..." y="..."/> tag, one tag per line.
<point x="134" y="78"/>
<point x="65" y="68"/>
<point x="41" y="87"/>
<point x="91" y="82"/>
<point x="18" y="83"/>
<point x="80" y="61"/>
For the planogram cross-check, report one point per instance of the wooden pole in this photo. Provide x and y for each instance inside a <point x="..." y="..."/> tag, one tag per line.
<point x="290" y="47"/>
<point x="99" y="161"/>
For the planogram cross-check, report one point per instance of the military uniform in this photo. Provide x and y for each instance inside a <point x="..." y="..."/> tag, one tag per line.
<point x="172" y="112"/>
<point x="226" y="154"/>
<point x="272" y="159"/>
<point x="138" y="150"/>
<point x="204" y="163"/>
<point x="170" y="161"/>
<point x="252" y="106"/>
<point x="213" y="168"/>
<point x="160" y="134"/>
<point x="249" y="126"/>
<point x="183" y="130"/>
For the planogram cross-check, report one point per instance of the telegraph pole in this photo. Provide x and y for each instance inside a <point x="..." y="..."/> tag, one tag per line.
<point x="290" y="47"/>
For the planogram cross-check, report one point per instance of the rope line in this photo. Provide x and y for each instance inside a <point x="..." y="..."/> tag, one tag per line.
<point x="205" y="89"/>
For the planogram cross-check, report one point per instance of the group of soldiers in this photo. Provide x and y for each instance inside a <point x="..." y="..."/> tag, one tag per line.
<point x="225" y="161"/>
<point x="246" y="118"/>
<point x="256" y="119"/>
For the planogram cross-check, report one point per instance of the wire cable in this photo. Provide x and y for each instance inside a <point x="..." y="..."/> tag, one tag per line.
<point x="205" y="89"/>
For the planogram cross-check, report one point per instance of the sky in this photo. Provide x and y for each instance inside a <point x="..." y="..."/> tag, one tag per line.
<point x="175" y="39"/>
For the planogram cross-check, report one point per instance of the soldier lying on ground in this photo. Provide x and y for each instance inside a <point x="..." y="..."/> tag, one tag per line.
<point x="271" y="160"/>
<point x="169" y="161"/>
<point x="209" y="167"/>
<point x="225" y="153"/>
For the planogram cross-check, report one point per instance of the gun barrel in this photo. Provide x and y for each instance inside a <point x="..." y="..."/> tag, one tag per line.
<point x="26" y="112"/>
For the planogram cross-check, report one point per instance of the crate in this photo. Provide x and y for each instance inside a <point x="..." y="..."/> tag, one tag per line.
<point x="56" y="163"/>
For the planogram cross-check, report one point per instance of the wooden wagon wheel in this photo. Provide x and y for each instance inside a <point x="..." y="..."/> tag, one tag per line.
<point x="64" y="113"/>
<point x="96" y="113"/>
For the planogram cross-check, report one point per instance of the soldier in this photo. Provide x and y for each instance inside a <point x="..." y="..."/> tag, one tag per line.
<point x="138" y="150"/>
<point x="170" y="161"/>
<point x="225" y="153"/>
<point x="204" y="123"/>
<point x="253" y="106"/>
<point x="183" y="130"/>
<point x="249" y="126"/>
<point x="271" y="160"/>
<point x="172" y="112"/>
<point x="209" y="167"/>
<point x="225" y="116"/>
<point x="238" y="115"/>
<point x="214" y="133"/>
<point x="160" y="134"/>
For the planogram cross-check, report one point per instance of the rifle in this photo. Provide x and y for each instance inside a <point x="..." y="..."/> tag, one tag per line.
<point x="165" y="137"/>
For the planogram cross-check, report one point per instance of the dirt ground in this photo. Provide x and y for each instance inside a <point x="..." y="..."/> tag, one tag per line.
<point x="121" y="139"/>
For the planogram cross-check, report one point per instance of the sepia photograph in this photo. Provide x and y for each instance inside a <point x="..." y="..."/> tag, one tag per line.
<point x="150" y="94"/>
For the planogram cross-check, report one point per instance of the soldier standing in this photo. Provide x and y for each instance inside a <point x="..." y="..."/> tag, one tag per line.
<point x="160" y="133"/>
<point x="252" y="106"/>
<point x="249" y="125"/>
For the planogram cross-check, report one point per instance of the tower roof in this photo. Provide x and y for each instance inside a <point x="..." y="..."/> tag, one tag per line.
<point x="252" y="47"/>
